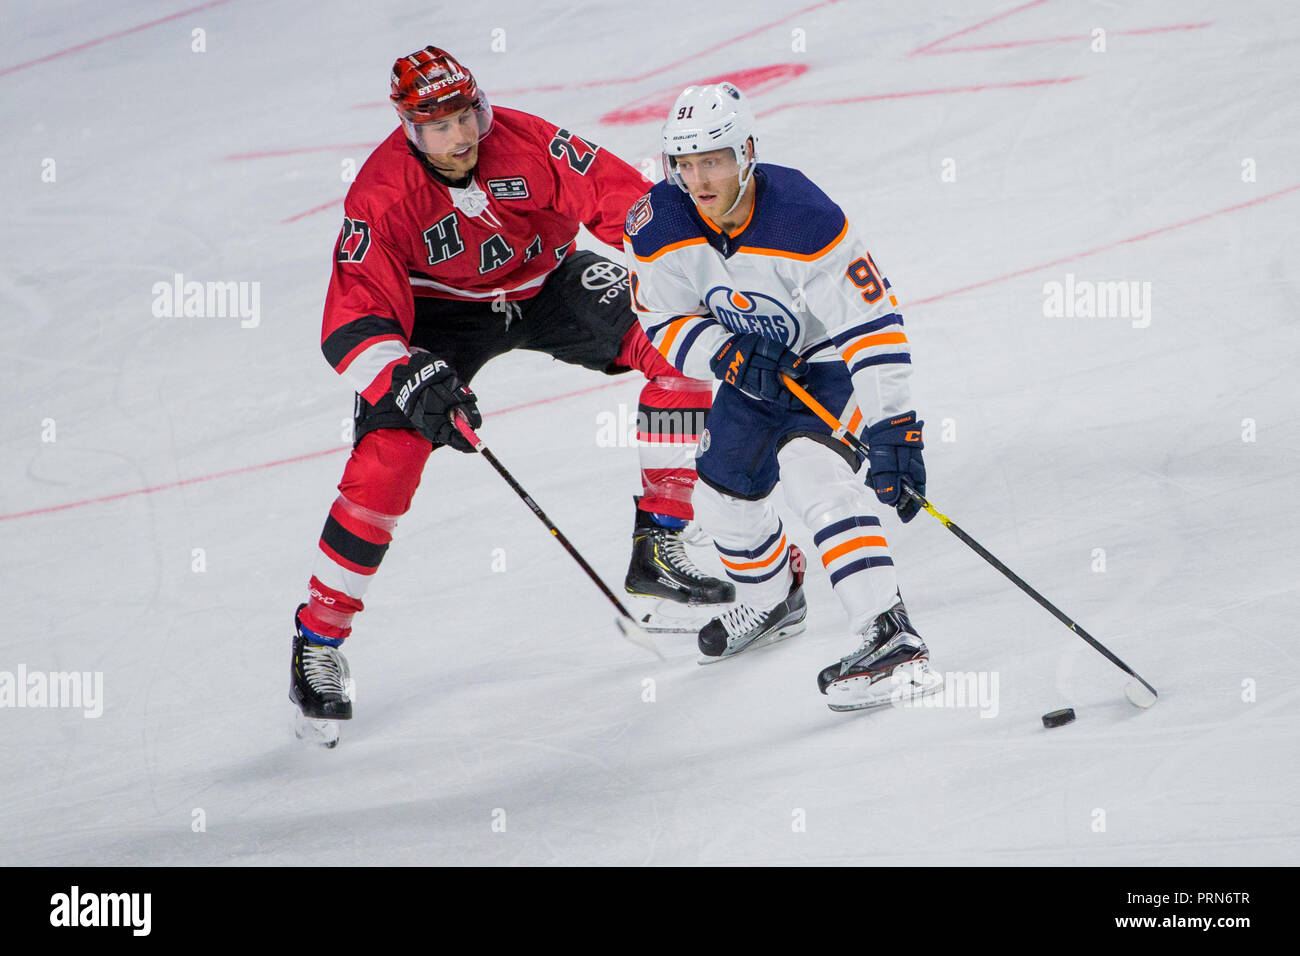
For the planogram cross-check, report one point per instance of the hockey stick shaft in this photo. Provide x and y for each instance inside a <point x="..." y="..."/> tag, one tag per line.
<point x="628" y="625"/>
<point x="861" y="447"/>
<point x="463" y="427"/>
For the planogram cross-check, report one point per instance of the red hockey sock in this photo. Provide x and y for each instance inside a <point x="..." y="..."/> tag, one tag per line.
<point x="670" y="418"/>
<point x="378" y="483"/>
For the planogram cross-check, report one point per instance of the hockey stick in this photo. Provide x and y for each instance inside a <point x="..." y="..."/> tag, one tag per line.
<point x="1138" y="696"/>
<point x="626" y="624"/>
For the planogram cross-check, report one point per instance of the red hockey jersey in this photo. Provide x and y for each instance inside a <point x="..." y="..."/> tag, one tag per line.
<point x="407" y="234"/>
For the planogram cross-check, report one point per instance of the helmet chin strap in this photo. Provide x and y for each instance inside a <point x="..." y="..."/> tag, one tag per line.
<point x="745" y="178"/>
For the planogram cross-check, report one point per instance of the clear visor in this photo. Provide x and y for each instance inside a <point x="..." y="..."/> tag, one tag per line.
<point x="718" y="165"/>
<point x="451" y="134"/>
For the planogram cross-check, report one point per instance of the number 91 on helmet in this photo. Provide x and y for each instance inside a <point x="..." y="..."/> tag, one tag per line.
<point x="705" y="119"/>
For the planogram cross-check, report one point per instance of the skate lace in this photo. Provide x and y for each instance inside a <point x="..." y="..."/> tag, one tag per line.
<point x="741" y="618"/>
<point x="673" y="550"/>
<point x="325" y="669"/>
<point x="873" y="641"/>
<point x="869" y="638"/>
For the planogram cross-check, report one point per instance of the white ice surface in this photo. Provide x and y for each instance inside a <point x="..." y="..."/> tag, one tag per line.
<point x="481" y="691"/>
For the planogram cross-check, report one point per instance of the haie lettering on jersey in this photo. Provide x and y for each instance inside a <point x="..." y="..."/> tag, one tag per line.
<point x="443" y="239"/>
<point x="753" y="312"/>
<point x="494" y="253"/>
<point x="443" y="242"/>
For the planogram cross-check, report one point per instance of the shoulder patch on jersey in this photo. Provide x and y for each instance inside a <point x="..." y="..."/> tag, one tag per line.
<point x="794" y="216"/>
<point x="508" y="187"/>
<point x="670" y="223"/>
<point x="640" y="214"/>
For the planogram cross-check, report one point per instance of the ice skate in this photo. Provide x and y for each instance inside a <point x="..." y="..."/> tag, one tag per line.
<point x="743" y="628"/>
<point x="322" y="687"/>
<point x="661" y="571"/>
<point x="891" y="665"/>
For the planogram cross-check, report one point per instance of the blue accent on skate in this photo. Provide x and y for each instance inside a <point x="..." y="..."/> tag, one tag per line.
<point x="314" y="638"/>
<point x="670" y="522"/>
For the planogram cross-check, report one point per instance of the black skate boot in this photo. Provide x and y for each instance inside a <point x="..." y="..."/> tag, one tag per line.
<point x="892" y="664"/>
<point x="661" y="568"/>
<point x="744" y="628"/>
<point x="320" y="684"/>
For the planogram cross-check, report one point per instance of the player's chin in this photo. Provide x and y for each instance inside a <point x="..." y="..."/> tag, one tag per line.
<point x="461" y="161"/>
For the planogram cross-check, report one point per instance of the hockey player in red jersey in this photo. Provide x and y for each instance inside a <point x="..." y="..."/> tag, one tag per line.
<point x="457" y="246"/>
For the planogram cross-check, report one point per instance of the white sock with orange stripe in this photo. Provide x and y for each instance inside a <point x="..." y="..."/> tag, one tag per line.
<point x="840" y="511"/>
<point x="751" y="543"/>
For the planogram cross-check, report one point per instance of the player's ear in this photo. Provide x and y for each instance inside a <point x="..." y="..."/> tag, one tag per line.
<point x="749" y="146"/>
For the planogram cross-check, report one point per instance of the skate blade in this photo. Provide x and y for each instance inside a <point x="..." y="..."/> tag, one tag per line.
<point x="638" y="635"/>
<point x="318" y="733"/>
<point x="909" y="682"/>
<point x="776" y="637"/>
<point x="661" y="616"/>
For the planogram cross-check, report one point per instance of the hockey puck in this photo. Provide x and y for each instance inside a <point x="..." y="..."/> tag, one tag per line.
<point x="1058" y="718"/>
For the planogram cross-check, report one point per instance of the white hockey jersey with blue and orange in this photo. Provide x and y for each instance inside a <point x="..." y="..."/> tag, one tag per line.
<point x="797" y="271"/>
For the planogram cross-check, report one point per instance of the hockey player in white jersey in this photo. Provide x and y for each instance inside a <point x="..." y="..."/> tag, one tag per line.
<point x="745" y="271"/>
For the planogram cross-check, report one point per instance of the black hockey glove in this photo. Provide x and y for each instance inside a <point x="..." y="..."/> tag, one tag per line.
<point x="895" y="456"/>
<point x="754" y="364"/>
<point x="428" y="391"/>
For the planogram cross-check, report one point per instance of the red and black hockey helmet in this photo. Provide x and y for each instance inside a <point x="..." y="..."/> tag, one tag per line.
<point x="430" y="85"/>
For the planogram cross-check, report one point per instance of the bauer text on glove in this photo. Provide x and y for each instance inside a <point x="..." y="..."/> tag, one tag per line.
<point x="428" y="391"/>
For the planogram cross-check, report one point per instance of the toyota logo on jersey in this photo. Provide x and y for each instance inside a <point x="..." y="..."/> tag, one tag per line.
<point x="602" y="275"/>
<point x="754" y="312"/>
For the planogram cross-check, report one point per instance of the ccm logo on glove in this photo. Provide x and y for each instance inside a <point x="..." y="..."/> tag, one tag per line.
<point x="894" y="456"/>
<point x="754" y="364"/>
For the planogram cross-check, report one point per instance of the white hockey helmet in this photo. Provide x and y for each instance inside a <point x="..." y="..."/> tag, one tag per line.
<point x="704" y="118"/>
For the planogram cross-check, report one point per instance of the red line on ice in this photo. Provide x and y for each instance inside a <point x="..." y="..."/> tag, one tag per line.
<point x="1110" y="245"/>
<point x="110" y="36"/>
<point x="307" y="212"/>
<point x="616" y="81"/>
<point x="1074" y="39"/>
<point x="327" y="148"/>
<point x="971" y="29"/>
<point x="555" y="398"/>
<point x="935" y="92"/>
<point x="275" y="464"/>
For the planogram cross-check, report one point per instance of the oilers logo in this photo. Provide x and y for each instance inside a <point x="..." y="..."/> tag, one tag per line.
<point x="754" y="312"/>
<point x="640" y="214"/>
